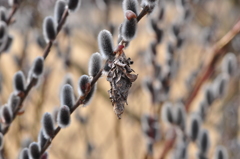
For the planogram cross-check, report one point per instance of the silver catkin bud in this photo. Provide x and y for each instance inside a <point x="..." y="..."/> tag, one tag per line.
<point x="13" y="102"/>
<point x="229" y="64"/>
<point x="83" y="84"/>
<point x="3" y="16"/>
<point x="13" y="2"/>
<point x="95" y="64"/>
<point x="59" y="10"/>
<point x="19" y="82"/>
<point x="220" y="85"/>
<point x="89" y="96"/>
<point x="129" y="29"/>
<point x="1" y="141"/>
<point x="6" y="115"/>
<point x="105" y="44"/>
<point x="180" y="115"/>
<point x="24" y="154"/>
<point x="167" y="113"/>
<point x="220" y="153"/>
<point x="203" y="141"/>
<point x="48" y="125"/>
<point x="195" y="126"/>
<point x="64" y="118"/>
<point x="73" y="5"/>
<point x="130" y="5"/>
<point x="67" y="96"/>
<point x="3" y="31"/>
<point x="37" y="67"/>
<point x="7" y="44"/>
<point x="49" y="29"/>
<point x="34" y="151"/>
<point x="41" y="139"/>
<point x="209" y="95"/>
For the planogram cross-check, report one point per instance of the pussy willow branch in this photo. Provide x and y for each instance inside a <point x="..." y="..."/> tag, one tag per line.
<point x="218" y="49"/>
<point x="81" y="99"/>
<point x="34" y="80"/>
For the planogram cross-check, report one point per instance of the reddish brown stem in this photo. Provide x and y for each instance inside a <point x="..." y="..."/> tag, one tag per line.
<point x="14" y="9"/>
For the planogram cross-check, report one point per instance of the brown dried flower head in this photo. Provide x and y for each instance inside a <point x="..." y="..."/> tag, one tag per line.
<point x="120" y="79"/>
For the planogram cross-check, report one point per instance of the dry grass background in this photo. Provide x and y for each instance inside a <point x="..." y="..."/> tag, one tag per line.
<point x="111" y="138"/>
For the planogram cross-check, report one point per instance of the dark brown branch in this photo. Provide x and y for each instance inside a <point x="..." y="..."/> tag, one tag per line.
<point x="13" y="11"/>
<point x="218" y="50"/>
<point x="145" y="11"/>
<point x="33" y="81"/>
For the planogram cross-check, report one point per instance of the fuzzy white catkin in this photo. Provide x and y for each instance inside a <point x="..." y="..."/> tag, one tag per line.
<point x="73" y="5"/>
<point x="204" y="141"/>
<point x="34" y="151"/>
<point x="3" y="11"/>
<point x="59" y="9"/>
<point x="130" y="5"/>
<point x="24" y="154"/>
<point x="105" y="44"/>
<point x="37" y="67"/>
<point x="195" y="126"/>
<point x="220" y="153"/>
<point x="41" y="139"/>
<point x="13" y="102"/>
<point x="83" y="82"/>
<point x="67" y="96"/>
<point x="167" y="114"/>
<point x="19" y="82"/>
<point x="49" y="29"/>
<point x="95" y="64"/>
<point x="64" y="118"/>
<point x="229" y="64"/>
<point x="47" y="125"/>
<point x="3" y="31"/>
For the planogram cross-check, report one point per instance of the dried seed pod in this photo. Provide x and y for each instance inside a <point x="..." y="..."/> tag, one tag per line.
<point x="59" y="10"/>
<point x="131" y="5"/>
<point x="88" y="98"/>
<point x="49" y="29"/>
<point x="13" y="102"/>
<point x="83" y="83"/>
<point x="6" y="115"/>
<point x="63" y="118"/>
<point x="105" y="44"/>
<point x="167" y="113"/>
<point x="73" y="5"/>
<point x="48" y="125"/>
<point x="34" y="151"/>
<point x="204" y="141"/>
<point x="67" y="96"/>
<point x="195" y="125"/>
<point x="120" y="79"/>
<point x="221" y="153"/>
<point x="24" y="154"/>
<point x="95" y="64"/>
<point x="1" y="141"/>
<point x="19" y="82"/>
<point x="3" y="16"/>
<point x="229" y="64"/>
<point x="129" y="29"/>
<point x="3" y="32"/>
<point x="37" y="67"/>
<point x="180" y="115"/>
<point x="41" y="139"/>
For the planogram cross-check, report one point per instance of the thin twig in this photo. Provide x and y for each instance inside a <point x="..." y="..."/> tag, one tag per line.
<point x="14" y="9"/>
<point x="33" y="81"/>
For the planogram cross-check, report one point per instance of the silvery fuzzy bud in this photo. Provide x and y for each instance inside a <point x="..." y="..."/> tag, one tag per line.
<point x="24" y="154"/>
<point x="48" y="125"/>
<point x="129" y="29"/>
<point x="220" y="85"/>
<point x="131" y="5"/>
<point x="89" y="96"/>
<point x="229" y="64"/>
<point x="195" y="126"/>
<point x="83" y="84"/>
<point x="203" y="141"/>
<point x="6" y="115"/>
<point x="13" y="2"/>
<point x="167" y="113"/>
<point x="179" y="115"/>
<point x="3" y="31"/>
<point x="19" y="82"/>
<point x="181" y="151"/>
<point x="95" y="64"/>
<point x="1" y="141"/>
<point x="34" y="151"/>
<point x="49" y="29"/>
<point x="59" y="10"/>
<point x="220" y="153"/>
<point x="7" y="44"/>
<point x="64" y="118"/>
<point x="105" y="44"/>
<point x="41" y="139"/>
<point x="73" y="5"/>
<point x="209" y="95"/>
<point x="67" y="96"/>
<point x="13" y="102"/>
<point x="37" y="67"/>
<point x="3" y="16"/>
<point x="202" y="109"/>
